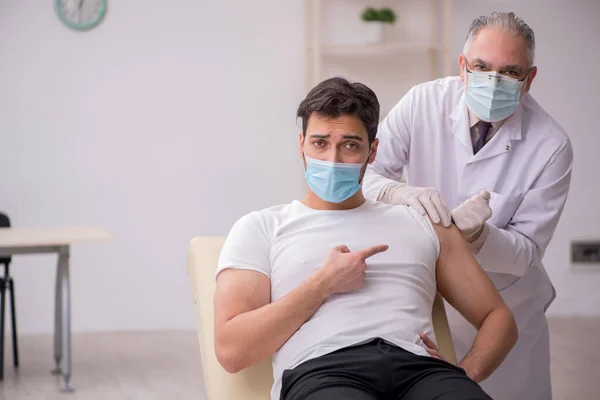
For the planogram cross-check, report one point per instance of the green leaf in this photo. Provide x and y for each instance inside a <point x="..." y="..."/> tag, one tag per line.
<point x="370" y="14"/>
<point x="386" y="15"/>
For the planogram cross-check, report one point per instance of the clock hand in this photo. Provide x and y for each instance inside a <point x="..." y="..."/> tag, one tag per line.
<point x="80" y="5"/>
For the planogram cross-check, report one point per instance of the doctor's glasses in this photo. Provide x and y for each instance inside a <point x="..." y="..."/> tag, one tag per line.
<point x="514" y="72"/>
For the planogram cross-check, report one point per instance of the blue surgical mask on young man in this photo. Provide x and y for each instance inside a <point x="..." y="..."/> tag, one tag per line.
<point x="491" y="96"/>
<point x="331" y="181"/>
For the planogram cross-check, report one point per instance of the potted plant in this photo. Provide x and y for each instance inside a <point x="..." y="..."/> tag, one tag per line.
<point x="375" y="21"/>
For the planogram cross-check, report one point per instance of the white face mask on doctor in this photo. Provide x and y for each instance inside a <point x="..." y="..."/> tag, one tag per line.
<point x="492" y="96"/>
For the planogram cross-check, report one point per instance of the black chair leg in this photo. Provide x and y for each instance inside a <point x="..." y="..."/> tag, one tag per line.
<point x="2" y="305"/>
<point x="13" y="317"/>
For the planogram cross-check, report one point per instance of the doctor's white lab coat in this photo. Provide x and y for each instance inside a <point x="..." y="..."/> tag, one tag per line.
<point x="526" y="166"/>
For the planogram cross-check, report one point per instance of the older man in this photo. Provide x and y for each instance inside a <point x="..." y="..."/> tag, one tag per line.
<point x="459" y="139"/>
<point x="338" y="289"/>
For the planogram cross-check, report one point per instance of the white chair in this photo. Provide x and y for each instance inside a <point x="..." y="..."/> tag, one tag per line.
<point x="252" y="383"/>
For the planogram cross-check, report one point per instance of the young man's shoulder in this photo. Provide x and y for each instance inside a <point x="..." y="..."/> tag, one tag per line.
<point x="275" y="211"/>
<point x="249" y="240"/>
<point x="263" y="219"/>
<point x="407" y="215"/>
<point x="404" y="210"/>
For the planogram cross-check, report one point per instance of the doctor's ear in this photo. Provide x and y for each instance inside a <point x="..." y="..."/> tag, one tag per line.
<point x="462" y="63"/>
<point x="530" y="78"/>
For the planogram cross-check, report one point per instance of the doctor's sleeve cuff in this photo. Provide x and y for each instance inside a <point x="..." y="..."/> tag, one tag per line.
<point x="505" y="252"/>
<point x="375" y="185"/>
<point x="477" y="244"/>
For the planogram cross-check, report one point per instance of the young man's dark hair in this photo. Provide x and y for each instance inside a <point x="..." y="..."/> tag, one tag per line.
<point x="337" y="96"/>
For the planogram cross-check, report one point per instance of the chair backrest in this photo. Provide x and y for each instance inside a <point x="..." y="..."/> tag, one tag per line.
<point x="252" y="383"/>
<point x="4" y="223"/>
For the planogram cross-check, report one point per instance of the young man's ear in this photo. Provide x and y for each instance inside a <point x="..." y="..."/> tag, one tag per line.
<point x="301" y="144"/>
<point x="373" y="152"/>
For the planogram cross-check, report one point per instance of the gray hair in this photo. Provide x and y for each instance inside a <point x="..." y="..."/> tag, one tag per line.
<point x="507" y="22"/>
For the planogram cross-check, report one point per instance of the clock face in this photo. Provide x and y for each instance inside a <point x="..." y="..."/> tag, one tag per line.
<point x="81" y="14"/>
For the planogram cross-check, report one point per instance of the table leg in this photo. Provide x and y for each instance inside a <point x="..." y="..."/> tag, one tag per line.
<point x="2" y="307"/>
<point x="57" y="318"/>
<point x="66" y="319"/>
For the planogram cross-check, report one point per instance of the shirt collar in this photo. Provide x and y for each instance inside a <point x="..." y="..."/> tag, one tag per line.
<point x="473" y="120"/>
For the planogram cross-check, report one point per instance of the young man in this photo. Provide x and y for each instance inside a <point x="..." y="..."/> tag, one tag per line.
<point x="338" y="290"/>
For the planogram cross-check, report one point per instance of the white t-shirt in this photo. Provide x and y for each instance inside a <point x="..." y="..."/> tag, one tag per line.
<point x="290" y="242"/>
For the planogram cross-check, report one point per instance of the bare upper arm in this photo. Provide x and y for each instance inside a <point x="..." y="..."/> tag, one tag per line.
<point x="461" y="280"/>
<point x="239" y="291"/>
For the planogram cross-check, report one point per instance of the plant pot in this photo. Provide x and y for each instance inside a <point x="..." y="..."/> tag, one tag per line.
<point x="372" y="32"/>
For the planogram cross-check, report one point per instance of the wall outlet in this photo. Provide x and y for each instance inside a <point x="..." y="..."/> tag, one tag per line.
<point x="585" y="252"/>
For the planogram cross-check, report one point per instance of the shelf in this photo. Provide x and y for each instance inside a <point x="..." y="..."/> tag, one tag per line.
<point x="375" y="49"/>
<point x="433" y="42"/>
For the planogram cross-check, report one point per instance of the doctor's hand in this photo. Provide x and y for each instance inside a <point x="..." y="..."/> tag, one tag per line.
<point x="471" y="215"/>
<point x="344" y="270"/>
<point x="424" y="200"/>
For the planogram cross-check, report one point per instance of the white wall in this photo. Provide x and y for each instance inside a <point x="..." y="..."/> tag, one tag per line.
<point x="169" y="120"/>
<point x="174" y="118"/>
<point x="389" y="75"/>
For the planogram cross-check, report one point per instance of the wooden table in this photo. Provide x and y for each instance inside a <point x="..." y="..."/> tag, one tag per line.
<point x="18" y="241"/>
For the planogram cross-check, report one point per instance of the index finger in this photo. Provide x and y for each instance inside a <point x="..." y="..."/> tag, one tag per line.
<point x="371" y="251"/>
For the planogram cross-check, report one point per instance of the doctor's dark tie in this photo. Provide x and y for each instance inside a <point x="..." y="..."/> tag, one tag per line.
<point x="484" y="128"/>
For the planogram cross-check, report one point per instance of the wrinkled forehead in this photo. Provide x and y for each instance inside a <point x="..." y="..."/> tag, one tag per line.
<point x="498" y="49"/>
<point x="336" y="128"/>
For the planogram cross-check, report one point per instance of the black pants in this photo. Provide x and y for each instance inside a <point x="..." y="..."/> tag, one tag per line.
<point x="378" y="371"/>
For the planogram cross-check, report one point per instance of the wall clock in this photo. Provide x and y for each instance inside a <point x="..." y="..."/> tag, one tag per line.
<point x="81" y="14"/>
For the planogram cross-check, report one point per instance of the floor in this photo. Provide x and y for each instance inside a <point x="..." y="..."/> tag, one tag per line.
<point x="166" y="365"/>
<point x="119" y="366"/>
